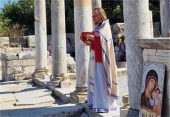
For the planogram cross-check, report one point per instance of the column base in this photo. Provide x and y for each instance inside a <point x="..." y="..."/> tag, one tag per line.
<point x="79" y="95"/>
<point x="39" y="73"/>
<point x="133" y="113"/>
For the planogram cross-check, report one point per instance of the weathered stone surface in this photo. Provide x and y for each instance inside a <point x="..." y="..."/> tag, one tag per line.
<point x="13" y="50"/>
<point x="13" y="69"/>
<point x="33" y="101"/>
<point x="26" y="55"/>
<point x="118" y="28"/>
<point x="30" y="41"/>
<point x="9" y="56"/>
<point x="7" y="97"/>
<point x="28" y="49"/>
<point x="32" y="94"/>
<point x="155" y="43"/>
<point x="64" y="94"/>
<point x="121" y="64"/>
<point x="76" y="98"/>
<point x="123" y="112"/>
<point x="16" y="42"/>
<point x="29" y="69"/>
<point x="24" y="62"/>
<point x="4" y="41"/>
<point x="65" y="83"/>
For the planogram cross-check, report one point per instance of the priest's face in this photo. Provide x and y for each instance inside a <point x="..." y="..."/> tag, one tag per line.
<point x="96" y="17"/>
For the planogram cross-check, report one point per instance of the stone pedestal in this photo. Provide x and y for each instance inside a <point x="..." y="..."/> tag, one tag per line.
<point x="40" y="36"/>
<point x="39" y="73"/>
<point x="165" y="17"/>
<point x="139" y="27"/>
<point x="158" y="50"/>
<point x="83" y="23"/>
<point x="59" y="60"/>
<point x="79" y="95"/>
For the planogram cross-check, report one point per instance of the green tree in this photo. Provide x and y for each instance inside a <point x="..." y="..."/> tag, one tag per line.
<point x="21" y="12"/>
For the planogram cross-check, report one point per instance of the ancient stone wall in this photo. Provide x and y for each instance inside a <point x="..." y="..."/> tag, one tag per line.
<point x="17" y="57"/>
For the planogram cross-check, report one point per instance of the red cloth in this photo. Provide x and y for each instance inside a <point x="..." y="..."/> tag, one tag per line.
<point x="96" y="46"/>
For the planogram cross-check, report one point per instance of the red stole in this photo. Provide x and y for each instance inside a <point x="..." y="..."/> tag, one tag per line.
<point x="96" y="46"/>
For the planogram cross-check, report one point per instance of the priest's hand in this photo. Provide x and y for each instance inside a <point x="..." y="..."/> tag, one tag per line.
<point x="90" y="37"/>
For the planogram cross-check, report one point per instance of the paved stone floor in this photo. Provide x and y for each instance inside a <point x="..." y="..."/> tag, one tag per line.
<point x="24" y="99"/>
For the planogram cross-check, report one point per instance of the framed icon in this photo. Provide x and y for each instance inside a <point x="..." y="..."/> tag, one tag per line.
<point x="152" y="89"/>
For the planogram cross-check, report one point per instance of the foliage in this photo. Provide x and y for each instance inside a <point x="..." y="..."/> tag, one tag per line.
<point x="154" y="6"/>
<point x="22" y="13"/>
<point x="15" y="30"/>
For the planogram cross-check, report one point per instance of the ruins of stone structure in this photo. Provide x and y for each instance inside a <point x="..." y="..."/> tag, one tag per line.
<point x="18" y="58"/>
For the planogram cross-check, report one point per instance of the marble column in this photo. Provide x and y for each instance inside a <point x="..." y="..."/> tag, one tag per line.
<point x="165" y="17"/>
<point x="151" y="23"/>
<point x="83" y="22"/>
<point x="137" y="26"/>
<point x="40" y="36"/>
<point x="96" y="3"/>
<point x="59" y="65"/>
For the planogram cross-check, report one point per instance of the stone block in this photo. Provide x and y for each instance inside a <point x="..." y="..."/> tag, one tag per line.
<point x="155" y="43"/>
<point x="28" y="69"/>
<point x="4" y="41"/>
<point x="64" y="94"/>
<point x="123" y="112"/>
<point x="65" y="83"/>
<point x="2" y="63"/>
<point x="9" y="56"/>
<point x="14" y="69"/>
<point x="118" y="28"/>
<point x="28" y="49"/>
<point x="116" y="36"/>
<point x="24" y="62"/>
<point x="26" y="55"/>
<point x="13" y="50"/>
<point x="8" y="77"/>
<point x="34" y="101"/>
<point x="121" y="65"/>
<point x="75" y="98"/>
<point x="15" y="42"/>
<point x="149" y="52"/>
<point x="40" y="82"/>
<point x="30" y="41"/>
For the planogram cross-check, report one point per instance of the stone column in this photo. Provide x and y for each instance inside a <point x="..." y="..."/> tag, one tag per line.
<point x="137" y="26"/>
<point x="40" y="37"/>
<point x="59" y="65"/>
<point x="165" y="17"/>
<point x="83" y="22"/>
<point x="96" y="3"/>
<point x="151" y="23"/>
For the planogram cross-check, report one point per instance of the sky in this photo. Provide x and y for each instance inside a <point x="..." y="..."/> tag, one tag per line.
<point x="2" y="2"/>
